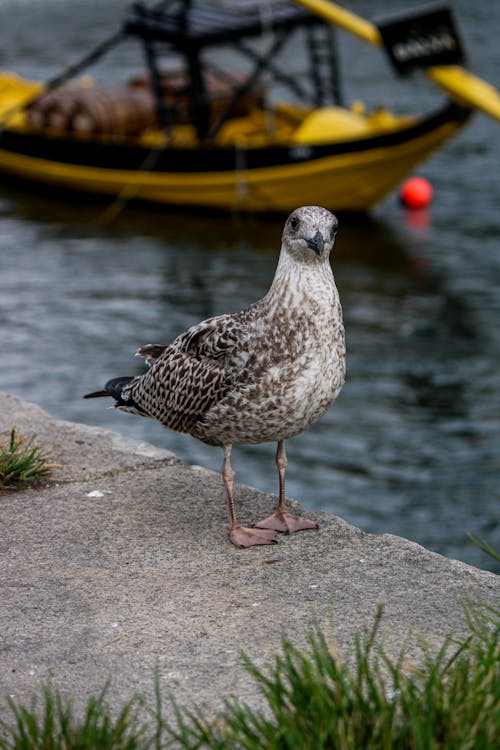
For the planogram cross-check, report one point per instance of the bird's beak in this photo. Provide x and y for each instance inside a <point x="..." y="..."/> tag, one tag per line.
<point x="317" y="243"/>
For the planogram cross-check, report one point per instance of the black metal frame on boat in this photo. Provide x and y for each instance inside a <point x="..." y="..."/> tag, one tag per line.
<point x="190" y="29"/>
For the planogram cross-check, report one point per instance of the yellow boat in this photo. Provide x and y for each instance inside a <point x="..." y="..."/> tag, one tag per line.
<point x="191" y="133"/>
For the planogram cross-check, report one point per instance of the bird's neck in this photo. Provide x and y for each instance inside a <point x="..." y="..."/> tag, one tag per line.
<point x="296" y="283"/>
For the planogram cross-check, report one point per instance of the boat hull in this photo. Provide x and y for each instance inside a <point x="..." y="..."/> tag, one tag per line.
<point x="349" y="175"/>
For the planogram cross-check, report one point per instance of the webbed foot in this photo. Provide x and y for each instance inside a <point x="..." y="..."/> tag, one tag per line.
<point x="242" y="537"/>
<point x="285" y="522"/>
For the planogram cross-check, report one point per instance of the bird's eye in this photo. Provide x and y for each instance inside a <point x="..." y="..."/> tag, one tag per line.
<point x="294" y="222"/>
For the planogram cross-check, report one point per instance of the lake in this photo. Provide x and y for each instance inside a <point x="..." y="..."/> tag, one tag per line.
<point x="412" y="446"/>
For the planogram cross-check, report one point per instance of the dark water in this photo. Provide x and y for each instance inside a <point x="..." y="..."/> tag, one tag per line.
<point x="412" y="445"/>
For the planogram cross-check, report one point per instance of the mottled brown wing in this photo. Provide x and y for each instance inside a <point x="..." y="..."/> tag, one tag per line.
<point x="191" y="375"/>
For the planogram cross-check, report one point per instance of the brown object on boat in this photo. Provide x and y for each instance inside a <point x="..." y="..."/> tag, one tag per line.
<point x="219" y="89"/>
<point x="52" y="109"/>
<point x="94" y="110"/>
<point x="125" y="111"/>
<point x="129" y="110"/>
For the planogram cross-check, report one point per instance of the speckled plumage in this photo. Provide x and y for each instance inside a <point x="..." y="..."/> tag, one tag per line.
<point x="264" y="373"/>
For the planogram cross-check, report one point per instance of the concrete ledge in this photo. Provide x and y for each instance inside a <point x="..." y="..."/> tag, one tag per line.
<point x="121" y="564"/>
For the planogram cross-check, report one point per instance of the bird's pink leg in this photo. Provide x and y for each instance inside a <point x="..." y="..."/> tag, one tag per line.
<point x="281" y="520"/>
<point x="239" y="535"/>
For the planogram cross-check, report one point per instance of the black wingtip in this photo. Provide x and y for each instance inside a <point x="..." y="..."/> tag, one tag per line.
<point x="96" y="394"/>
<point x="113" y="389"/>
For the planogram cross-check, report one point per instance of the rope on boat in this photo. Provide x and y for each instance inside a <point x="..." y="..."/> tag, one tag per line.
<point x="72" y="70"/>
<point x="129" y="189"/>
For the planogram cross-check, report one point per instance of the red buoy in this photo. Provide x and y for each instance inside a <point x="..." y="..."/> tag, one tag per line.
<point x="416" y="192"/>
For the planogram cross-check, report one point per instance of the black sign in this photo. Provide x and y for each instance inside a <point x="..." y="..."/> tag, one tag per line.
<point x="422" y="38"/>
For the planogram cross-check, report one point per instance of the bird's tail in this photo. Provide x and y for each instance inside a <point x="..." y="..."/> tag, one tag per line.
<point x="114" y="389"/>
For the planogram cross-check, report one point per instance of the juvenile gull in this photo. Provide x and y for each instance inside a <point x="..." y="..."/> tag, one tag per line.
<point x="264" y="373"/>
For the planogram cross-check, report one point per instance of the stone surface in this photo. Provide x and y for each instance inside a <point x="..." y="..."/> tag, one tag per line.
<point x="121" y="565"/>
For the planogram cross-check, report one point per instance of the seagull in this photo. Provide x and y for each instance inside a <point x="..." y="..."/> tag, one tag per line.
<point x="265" y="373"/>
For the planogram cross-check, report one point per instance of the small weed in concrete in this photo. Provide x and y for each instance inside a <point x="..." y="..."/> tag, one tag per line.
<point x="22" y="462"/>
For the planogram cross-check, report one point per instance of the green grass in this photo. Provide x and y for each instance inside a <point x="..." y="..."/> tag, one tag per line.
<point x="22" y="462"/>
<point x="312" y="700"/>
<point x="484" y="547"/>
<point x="53" y="726"/>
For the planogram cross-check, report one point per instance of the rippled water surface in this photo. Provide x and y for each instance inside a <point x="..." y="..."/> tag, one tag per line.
<point x="412" y="445"/>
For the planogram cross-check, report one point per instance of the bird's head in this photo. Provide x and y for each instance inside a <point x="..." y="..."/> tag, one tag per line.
<point x="309" y="234"/>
